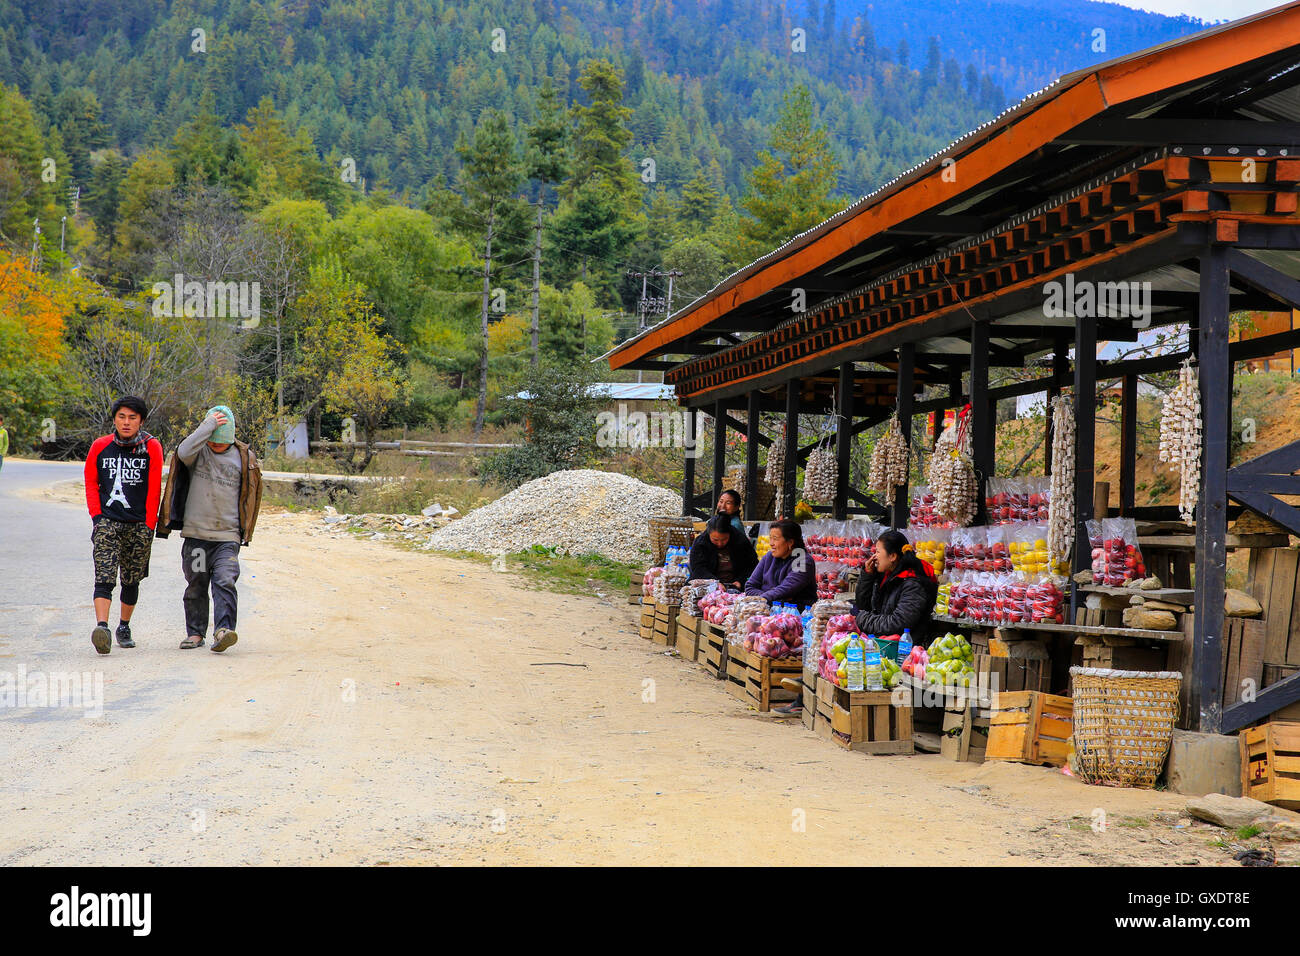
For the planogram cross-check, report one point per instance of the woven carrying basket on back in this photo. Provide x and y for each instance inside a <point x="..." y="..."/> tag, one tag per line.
<point x="659" y="528"/>
<point x="1123" y="724"/>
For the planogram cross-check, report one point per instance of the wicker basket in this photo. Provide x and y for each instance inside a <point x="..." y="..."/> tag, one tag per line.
<point x="659" y="528"/>
<point x="1123" y="724"/>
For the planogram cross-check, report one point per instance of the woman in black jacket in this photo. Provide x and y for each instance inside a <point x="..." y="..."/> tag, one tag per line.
<point x="722" y="553"/>
<point x="896" y="591"/>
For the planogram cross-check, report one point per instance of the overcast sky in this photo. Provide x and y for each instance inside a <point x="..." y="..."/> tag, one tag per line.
<point x="1203" y="9"/>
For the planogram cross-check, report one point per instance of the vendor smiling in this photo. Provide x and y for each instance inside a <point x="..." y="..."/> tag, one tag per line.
<point x="729" y="507"/>
<point x="786" y="574"/>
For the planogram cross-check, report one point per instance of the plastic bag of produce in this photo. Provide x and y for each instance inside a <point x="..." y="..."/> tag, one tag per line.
<point x="1121" y="556"/>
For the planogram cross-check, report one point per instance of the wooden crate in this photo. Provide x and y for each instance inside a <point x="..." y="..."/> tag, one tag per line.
<point x="1270" y="763"/>
<point x="665" y="629"/>
<point x="1013" y="673"/>
<point x="809" y="707"/>
<point x="634" y="587"/>
<point x="1126" y="657"/>
<point x="713" y="650"/>
<point x="1029" y="727"/>
<point x="737" y="672"/>
<point x="647" y="618"/>
<point x="965" y="735"/>
<point x="763" y="681"/>
<point x="688" y="636"/>
<point x="869" y="722"/>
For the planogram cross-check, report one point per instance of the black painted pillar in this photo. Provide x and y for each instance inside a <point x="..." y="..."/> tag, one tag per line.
<point x="1128" y="445"/>
<point x="719" y="452"/>
<point x="906" y="396"/>
<point x="752" y="416"/>
<point x="692" y="442"/>
<point x="1085" y="416"/>
<point x="789" y="493"/>
<point x="844" y="407"/>
<point x="982" y="425"/>
<point x="1206" y="703"/>
<point x="1060" y="369"/>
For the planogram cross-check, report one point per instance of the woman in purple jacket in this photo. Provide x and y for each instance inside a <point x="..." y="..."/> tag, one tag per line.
<point x="787" y="574"/>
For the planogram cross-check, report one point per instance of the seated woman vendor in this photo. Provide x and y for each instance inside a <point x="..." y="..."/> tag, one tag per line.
<point x="787" y="574"/>
<point x="896" y="590"/>
<point x="722" y="553"/>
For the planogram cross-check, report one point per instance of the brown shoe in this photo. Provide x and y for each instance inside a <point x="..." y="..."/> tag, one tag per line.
<point x="223" y="639"/>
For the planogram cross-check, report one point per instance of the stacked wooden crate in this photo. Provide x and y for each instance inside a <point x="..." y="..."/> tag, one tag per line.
<point x="1029" y="727"/>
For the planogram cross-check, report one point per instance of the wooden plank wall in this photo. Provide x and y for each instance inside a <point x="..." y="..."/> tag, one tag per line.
<point x="1272" y="580"/>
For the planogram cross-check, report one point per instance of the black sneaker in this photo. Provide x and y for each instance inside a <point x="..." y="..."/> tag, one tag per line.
<point x="124" y="635"/>
<point x="102" y="639"/>
<point x="223" y="639"/>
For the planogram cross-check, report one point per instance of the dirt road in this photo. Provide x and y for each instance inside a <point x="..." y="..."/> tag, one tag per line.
<point x="386" y="706"/>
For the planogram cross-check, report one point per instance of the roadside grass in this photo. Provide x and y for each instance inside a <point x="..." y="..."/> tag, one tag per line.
<point x="1248" y="831"/>
<point x="545" y="570"/>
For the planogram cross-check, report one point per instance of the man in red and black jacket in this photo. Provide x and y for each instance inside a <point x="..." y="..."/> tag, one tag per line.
<point x="123" y="487"/>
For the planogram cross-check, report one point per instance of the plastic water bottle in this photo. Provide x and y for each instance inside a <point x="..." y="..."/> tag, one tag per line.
<point x="871" y="662"/>
<point x="854" y="665"/>
<point x="904" y="646"/>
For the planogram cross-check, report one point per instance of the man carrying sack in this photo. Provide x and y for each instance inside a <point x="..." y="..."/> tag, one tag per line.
<point x="214" y="490"/>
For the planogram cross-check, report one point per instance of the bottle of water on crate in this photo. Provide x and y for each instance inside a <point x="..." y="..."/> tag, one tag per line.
<point x="871" y="663"/>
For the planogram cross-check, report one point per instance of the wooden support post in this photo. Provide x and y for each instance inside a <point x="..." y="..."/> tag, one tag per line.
<point x="719" y="452"/>
<point x="1100" y="500"/>
<point x="789" y="493"/>
<point x="843" y="439"/>
<point x="1128" y="446"/>
<point x="1060" y="369"/>
<point x="692" y="442"/>
<point x="1085" y="415"/>
<point x="752" y="418"/>
<point x="982" y="424"/>
<point x="1206" y="701"/>
<point x="906" y="397"/>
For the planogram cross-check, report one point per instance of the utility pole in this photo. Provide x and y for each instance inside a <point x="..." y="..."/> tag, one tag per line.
<point x="537" y="281"/>
<point x="648" y="306"/>
<point x="481" y="407"/>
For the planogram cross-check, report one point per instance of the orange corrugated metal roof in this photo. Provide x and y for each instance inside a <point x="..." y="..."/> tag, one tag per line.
<point x="1029" y="125"/>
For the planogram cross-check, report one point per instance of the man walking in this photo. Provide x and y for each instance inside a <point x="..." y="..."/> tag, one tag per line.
<point x="214" y="490"/>
<point x="123" y="479"/>
<point x="4" y="442"/>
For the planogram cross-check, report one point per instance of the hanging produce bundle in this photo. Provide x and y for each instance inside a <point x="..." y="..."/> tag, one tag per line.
<point x="1180" y="437"/>
<point x="820" y="474"/>
<point x="737" y="481"/>
<point x="1060" y="505"/>
<point x="776" y="460"/>
<point x="889" y="461"/>
<point x="952" y="475"/>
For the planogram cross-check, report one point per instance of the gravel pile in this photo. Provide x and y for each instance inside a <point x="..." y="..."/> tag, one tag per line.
<point x="575" y="512"/>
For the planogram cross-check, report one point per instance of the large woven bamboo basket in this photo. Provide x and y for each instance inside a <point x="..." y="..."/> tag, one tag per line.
<point x="1123" y="724"/>
<point x="659" y="528"/>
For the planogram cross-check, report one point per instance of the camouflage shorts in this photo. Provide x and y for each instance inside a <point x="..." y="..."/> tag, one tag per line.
<point x="121" y="547"/>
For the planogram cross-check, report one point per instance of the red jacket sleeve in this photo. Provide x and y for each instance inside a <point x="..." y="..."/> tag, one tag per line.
<point x="92" y="474"/>
<point x="155" y="484"/>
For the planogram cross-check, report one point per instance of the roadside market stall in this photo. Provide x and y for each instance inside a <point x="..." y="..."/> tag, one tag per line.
<point x="1156" y="191"/>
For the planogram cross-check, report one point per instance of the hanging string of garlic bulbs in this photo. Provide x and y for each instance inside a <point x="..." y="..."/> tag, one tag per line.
<point x="952" y="477"/>
<point x="820" y="474"/>
<point x="1060" y="506"/>
<point x="776" y="459"/>
<point x="889" y="461"/>
<point x="1180" y="437"/>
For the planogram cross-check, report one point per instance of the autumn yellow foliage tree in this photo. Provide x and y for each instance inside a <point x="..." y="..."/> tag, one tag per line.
<point x="33" y="310"/>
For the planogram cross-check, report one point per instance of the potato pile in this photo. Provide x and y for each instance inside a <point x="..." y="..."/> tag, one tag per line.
<point x="1060" y="506"/>
<point x="889" y="460"/>
<point x="1180" y="437"/>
